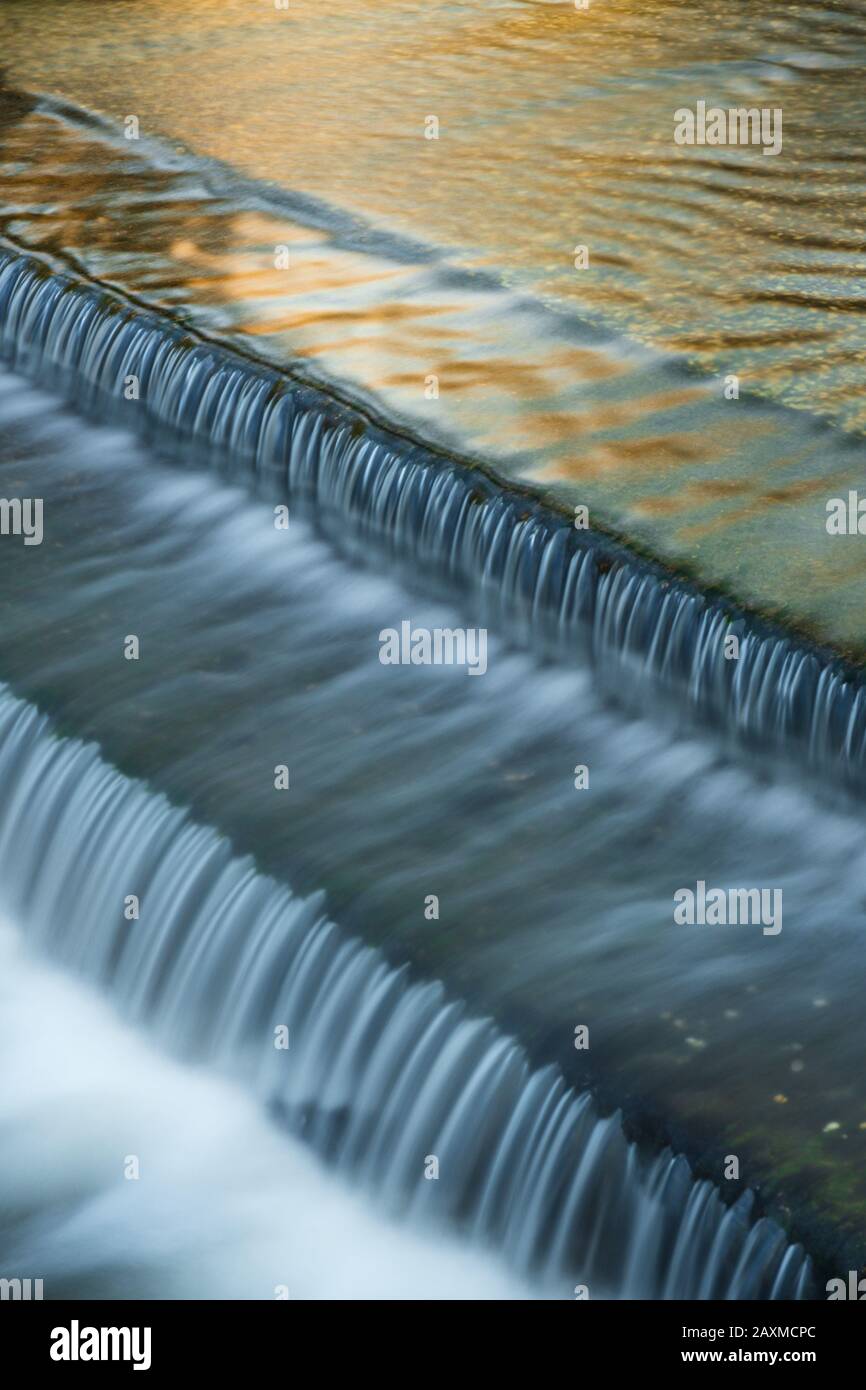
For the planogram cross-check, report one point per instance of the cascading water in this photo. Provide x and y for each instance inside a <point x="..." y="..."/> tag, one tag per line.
<point x="533" y="576"/>
<point x="289" y="1001"/>
<point x="380" y="1074"/>
<point x="126" y="521"/>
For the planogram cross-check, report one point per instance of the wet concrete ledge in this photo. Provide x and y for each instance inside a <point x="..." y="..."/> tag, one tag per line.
<point x="784" y="694"/>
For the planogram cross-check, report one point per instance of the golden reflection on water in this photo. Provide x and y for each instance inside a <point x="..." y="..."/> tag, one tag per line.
<point x="555" y="130"/>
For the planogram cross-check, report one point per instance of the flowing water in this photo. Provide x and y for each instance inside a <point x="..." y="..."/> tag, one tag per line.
<point x="260" y="646"/>
<point x="377" y="1073"/>
<point x="413" y="1037"/>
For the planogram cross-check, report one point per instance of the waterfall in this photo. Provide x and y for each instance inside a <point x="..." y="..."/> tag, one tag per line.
<point x="381" y="1073"/>
<point x="564" y="592"/>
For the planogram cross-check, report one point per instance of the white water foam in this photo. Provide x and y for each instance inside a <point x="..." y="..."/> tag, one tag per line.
<point x="226" y="1206"/>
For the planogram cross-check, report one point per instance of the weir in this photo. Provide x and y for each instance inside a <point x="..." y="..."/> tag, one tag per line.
<point x="567" y="594"/>
<point x="481" y="987"/>
<point x="554" y="903"/>
<point x="380" y="1073"/>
